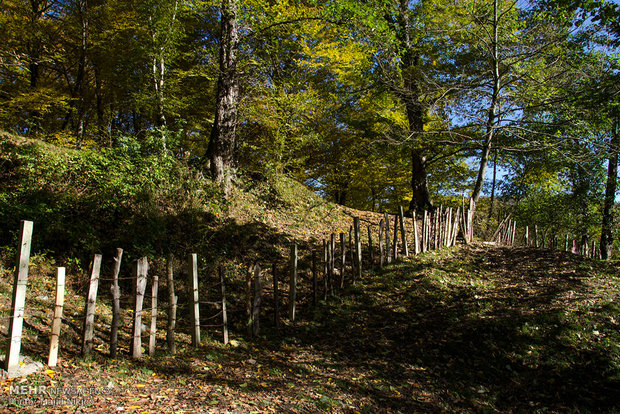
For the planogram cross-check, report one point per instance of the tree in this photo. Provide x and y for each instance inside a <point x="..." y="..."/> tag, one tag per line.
<point x="220" y="151"/>
<point x="607" y="226"/>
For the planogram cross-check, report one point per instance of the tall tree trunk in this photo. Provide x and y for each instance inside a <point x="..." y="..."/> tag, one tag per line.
<point x="410" y="95"/>
<point x="82" y="7"/>
<point x="159" y="71"/>
<point x="421" y="199"/>
<point x="607" y="238"/>
<point x="35" y="48"/>
<point x="493" y="109"/>
<point x="493" y="182"/>
<point x="221" y="147"/>
<point x="160" y="42"/>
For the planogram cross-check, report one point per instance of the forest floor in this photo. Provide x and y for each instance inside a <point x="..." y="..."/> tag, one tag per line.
<point x="467" y="329"/>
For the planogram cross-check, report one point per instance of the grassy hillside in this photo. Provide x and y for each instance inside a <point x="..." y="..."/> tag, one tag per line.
<point x="466" y="329"/>
<point x="86" y="202"/>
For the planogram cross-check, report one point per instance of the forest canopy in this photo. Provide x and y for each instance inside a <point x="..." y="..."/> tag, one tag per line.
<point x="372" y="104"/>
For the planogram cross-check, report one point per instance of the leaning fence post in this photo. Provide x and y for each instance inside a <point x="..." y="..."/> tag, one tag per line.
<point x="415" y="233"/>
<point x="116" y="307"/>
<point x="60" y="298"/>
<point x="424" y="230"/>
<point x="395" y="243"/>
<point x="325" y="267"/>
<point x="403" y="233"/>
<point x="276" y="295"/>
<point x="142" y="267"/>
<point x="386" y="221"/>
<point x="332" y="263"/>
<point x="258" y="297"/>
<point x="381" y="252"/>
<point x="195" y="305"/>
<point x="358" y="247"/>
<point x="370" y="248"/>
<point x="89" y="308"/>
<point x="224" y="311"/>
<point x="527" y="236"/>
<point x="18" y="301"/>
<point x="153" y="331"/>
<point x="292" y="295"/>
<point x="314" y="280"/>
<point x="343" y="255"/>
<point x="172" y="307"/>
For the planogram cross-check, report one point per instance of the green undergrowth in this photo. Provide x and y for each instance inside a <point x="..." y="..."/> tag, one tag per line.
<point x="94" y="201"/>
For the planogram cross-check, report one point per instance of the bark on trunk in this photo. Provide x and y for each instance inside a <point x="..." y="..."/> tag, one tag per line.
<point x="81" y="75"/>
<point x="410" y="95"/>
<point x="607" y="238"/>
<point x="221" y="147"/>
<point x="493" y="109"/>
<point x="421" y="199"/>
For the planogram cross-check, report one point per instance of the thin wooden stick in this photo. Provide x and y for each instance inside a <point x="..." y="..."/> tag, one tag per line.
<point x="116" y="304"/>
<point x="89" y="308"/>
<point x="60" y="298"/>
<point x="153" y="330"/>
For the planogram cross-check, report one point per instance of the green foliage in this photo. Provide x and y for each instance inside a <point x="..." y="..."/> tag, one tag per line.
<point x="93" y="201"/>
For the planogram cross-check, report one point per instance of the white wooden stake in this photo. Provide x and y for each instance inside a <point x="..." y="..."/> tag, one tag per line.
<point x="18" y="302"/>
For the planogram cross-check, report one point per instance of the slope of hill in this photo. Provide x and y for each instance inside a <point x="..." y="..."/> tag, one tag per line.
<point x="466" y="329"/>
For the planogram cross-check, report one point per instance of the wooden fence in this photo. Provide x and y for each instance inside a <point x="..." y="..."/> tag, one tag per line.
<point x="342" y="261"/>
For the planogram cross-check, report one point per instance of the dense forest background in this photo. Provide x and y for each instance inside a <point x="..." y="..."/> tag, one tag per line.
<point x="371" y="104"/>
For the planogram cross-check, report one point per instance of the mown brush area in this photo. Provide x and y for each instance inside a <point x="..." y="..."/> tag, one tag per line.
<point x="474" y="328"/>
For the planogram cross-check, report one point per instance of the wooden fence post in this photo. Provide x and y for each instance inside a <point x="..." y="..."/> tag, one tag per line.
<point x="315" y="294"/>
<point x="325" y="267"/>
<point x="436" y="225"/>
<point x="455" y="231"/>
<point x="395" y="242"/>
<point x="276" y="295"/>
<point x="195" y="305"/>
<point x="381" y="252"/>
<point x="440" y="226"/>
<point x="116" y="304"/>
<point x="388" y="247"/>
<point x="60" y="298"/>
<point x="224" y="310"/>
<point x="18" y="301"/>
<point x="343" y="256"/>
<point x="447" y="227"/>
<point x="351" y="252"/>
<point x="370" y="249"/>
<point x="403" y="233"/>
<point x="292" y="295"/>
<point x="153" y="330"/>
<point x="424" y="230"/>
<point x="358" y="247"/>
<point x="89" y="307"/>
<point x="256" y="303"/>
<point x="416" y="239"/>
<point x="332" y="263"/>
<point x="527" y="236"/>
<point x="172" y="307"/>
<point x="142" y="267"/>
<point x="248" y="300"/>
